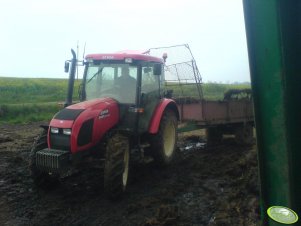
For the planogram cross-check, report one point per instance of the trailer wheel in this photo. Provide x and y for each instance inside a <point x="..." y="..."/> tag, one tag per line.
<point x="244" y="135"/>
<point x="214" y="136"/>
<point x="40" y="178"/>
<point x="116" y="170"/>
<point x="163" y="144"/>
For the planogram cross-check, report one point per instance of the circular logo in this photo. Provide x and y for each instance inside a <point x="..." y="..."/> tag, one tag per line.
<point x="282" y="214"/>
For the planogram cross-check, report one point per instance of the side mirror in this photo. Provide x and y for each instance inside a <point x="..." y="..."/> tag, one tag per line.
<point x="67" y="66"/>
<point x="157" y="69"/>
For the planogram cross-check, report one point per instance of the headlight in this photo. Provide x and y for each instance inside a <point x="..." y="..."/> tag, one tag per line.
<point x="54" y="130"/>
<point x="67" y="132"/>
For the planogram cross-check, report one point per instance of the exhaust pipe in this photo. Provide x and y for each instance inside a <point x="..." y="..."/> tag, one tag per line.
<point x="71" y="79"/>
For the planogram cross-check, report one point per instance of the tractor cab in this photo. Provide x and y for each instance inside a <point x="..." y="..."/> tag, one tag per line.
<point x="133" y="80"/>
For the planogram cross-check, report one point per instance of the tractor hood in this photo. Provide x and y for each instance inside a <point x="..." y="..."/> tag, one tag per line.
<point x="86" y="123"/>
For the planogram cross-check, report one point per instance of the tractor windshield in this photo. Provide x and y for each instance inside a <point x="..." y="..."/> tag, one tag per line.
<point x="117" y="81"/>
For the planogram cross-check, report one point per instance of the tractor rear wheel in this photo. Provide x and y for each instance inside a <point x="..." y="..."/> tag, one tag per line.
<point x="40" y="178"/>
<point x="116" y="169"/>
<point x="163" y="144"/>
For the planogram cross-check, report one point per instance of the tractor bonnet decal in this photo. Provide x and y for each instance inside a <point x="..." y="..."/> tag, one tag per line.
<point x="104" y="114"/>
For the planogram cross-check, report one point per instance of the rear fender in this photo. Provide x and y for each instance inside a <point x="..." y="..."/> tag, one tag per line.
<point x="158" y="113"/>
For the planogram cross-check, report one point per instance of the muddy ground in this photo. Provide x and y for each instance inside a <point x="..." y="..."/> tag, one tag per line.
<point x="204" y="186"/>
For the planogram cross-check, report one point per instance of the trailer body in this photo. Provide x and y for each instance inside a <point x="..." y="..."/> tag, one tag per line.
<point x="231" y="114"/>
<point x="208" y="113"/>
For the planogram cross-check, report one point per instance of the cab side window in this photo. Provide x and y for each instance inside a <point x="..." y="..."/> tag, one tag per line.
<point x="150" y="82"/>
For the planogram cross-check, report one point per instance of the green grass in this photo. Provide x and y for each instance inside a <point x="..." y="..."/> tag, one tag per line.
<point x="211" y="91"/>
<point x="24" y="113"/>
<point x="33" y="90"/>
<point x="24" y="100"/>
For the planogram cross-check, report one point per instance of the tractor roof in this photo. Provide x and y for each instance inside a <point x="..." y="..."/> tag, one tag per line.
<point x="136" y="55"/>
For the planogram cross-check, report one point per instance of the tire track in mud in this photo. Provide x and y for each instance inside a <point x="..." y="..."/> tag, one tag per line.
<point x="216" y="186"/>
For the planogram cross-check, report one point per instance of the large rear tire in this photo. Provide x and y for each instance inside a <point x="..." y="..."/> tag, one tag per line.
<point x="163" y="144"/>
<point x="116" y="169"/>
<point x="40" y="178"/>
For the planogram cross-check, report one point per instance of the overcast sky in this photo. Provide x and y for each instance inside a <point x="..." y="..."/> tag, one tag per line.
<point x="36" y="35"/>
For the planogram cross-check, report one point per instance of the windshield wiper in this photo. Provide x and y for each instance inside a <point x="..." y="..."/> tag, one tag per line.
<point x="97" y="73"/>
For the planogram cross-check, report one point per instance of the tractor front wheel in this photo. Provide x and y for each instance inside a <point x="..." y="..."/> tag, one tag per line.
<point x="163" y="144"/>
<point x="116" y="169"/>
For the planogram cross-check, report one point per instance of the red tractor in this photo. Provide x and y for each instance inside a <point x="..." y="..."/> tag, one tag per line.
<point x="122" y="114"/>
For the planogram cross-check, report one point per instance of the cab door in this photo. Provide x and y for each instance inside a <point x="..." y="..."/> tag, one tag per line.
<point x="127" y="101"/>
<point x="150" y="96"/>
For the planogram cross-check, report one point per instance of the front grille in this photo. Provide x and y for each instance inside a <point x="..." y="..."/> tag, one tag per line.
<point x="60" y="141"/>
<point x="52" y="160"/>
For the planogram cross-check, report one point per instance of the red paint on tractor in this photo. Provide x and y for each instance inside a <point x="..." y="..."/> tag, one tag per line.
<point x="158" y="113"/>
<point x="123" y="55"/>
<point x="103" y="111"/>
<point x="64" y="124"/>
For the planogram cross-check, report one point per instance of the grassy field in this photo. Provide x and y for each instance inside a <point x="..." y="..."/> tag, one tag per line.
<point x="27" y="112"/>
<point x="23" y="100"/>
<point x="33" y="90"/>
<point x="211" y="91"/>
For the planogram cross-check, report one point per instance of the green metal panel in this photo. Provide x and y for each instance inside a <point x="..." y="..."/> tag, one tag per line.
<point x="274" y="39"/>
<point x="189" y="126"/>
